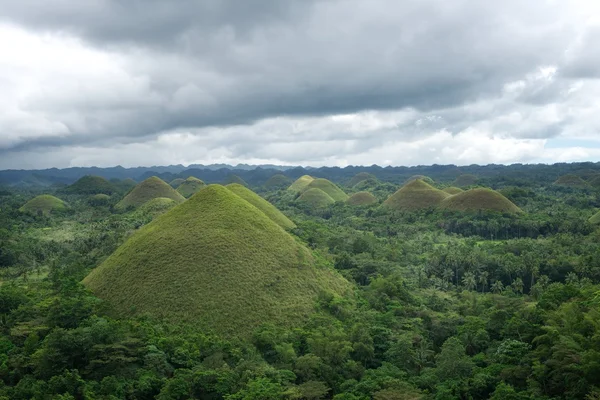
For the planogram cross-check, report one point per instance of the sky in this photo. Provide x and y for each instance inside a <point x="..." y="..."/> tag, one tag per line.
<point x="298" y="82"/>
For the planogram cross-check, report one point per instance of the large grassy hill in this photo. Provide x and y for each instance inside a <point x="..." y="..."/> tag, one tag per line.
<point x="149" y="189"/>
<point x="215" y="261"/>
<point x="43" y="204"/>
<point x="415" y="195"/>
<point x="480" y="199"/>
<point x="361" y="199"/>
<point x="90" y="184"/>
<point x="263" y="205"/>
<point x="315" y="198"/>
<point x="301" y="183"/>
<point x="190" y="186"/>
<point x="328" y="187"/>
<point x="176" y="182"/>
<point x="423" y="178"/>
<point x="571" y="181"/>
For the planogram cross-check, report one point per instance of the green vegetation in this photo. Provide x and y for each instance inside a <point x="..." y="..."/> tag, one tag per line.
<point x="480" y="199"/>
<point x="90" y="184"/>
<point x="263" y="205"/>
<point x="594" y="181"/>
<point x="423" y="178"/>
<point x="451" y="190"/>
<point x="415" y="195"/>
<point x="149" y="189"/>
<point x="156" y="206"/>
<point x="277" y="181"/>
<point x="328" y="187"/>
<point x="176" y="182"/>
<point x="300" y="184"/>
<point x="44" y="204"/>
<point x="571" y="181"/>
<point x="315" y="198"/>
<point x="465" y="180"/>
<point x="232" y="178"/>
<point x="361" y="199"/>
<point x="360" y="177"/>
<point x="217" y="261"/>
<point x="595" y="219"/>
<point x="99" y="200"/>
<point x="190" y="186"/>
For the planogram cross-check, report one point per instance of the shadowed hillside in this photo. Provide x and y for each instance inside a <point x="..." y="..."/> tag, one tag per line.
<point x="360" y="177"/>
<point x="90" y="184"/>
<point x="218" y="262"/>
<point x="190" y="186"/>
<point x="277" y="181"/>
<point x="176" y="182"/>
<point x="149" y="189"/>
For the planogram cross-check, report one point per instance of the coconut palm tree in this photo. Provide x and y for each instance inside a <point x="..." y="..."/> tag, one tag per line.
<point x="497" y="287"/>
<point x="469" y="281"/>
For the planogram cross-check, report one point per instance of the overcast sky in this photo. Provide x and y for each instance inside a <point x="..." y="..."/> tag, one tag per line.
<point x="300" y="82"/>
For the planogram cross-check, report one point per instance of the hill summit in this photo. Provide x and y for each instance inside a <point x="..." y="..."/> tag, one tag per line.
<point x="360" y="177"/>
<point x="480" y="199"/>
<point x="90" y="184"/>
<point x="301" y="183"/>
<point x="328" y="187"/>
<point x="190" y="186"/>
<point x="149" y="189"/>
<point x="315" y="198"/>
<point x="361" y="199"/>
<point x="571" y="181"/>
<point x="415" y="195"/>
<point x="216" y="261"/>
<point x="43" y="204"/>
<point x="277" y="181"/>
<point x="263" y="205"/>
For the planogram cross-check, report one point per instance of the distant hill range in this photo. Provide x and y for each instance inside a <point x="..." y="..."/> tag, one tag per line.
<point x="258" y="175"/>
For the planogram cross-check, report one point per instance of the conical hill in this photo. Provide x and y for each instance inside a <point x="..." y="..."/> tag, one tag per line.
<point x="176" y="182"/>
<point x="480" y="199"/>
<point x="328" y="187"/>
<point x="232" y="178"/>
<point x="149" y="189"/>
<point x="415" y="195"/>
<point x="571" y="181"/>
<point x="452" y="190"/>
<point x="361" y="199"/>
<point x="301" y="183"/>
<point x="216" y="261"/>
<point x="190" y="186"/>
<point x="361" y="176"/>
<point x="277" y="181"/>
<point x="263" y="205"/>
<point x="315" y="198"/>
<point x="90" y="184"/>
<point x="43" y="204"/>
<point x="595" y="219"/>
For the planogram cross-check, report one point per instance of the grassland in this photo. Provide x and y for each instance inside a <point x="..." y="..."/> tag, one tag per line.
<point x="44" y="204"/>
<point x="452" y="190"/>
<point x="423" y="178"/>
<point x="301" y="183"/>
<point x="595" y="219"/>
<point x="277" y="181"/>
<point x="328" y="187"/>
<point x="157" y="206"/>
<point x="360" y="177"/>
<point x="263" y="205"/>
<point x="215" y="261"/>
<point x="176" y="182"/>
<point x="415" y="195"/>
<point x="315" y="198"/>
<point x="149" y="189"/>
<point x="90" y="184"/>
<point x="190" y="186"/>
<point x="480" y="199"/>
<point x="361" y="199"/>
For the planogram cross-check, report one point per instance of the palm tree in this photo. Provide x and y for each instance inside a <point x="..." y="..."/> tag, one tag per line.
<point x="517" y="285"/>
<point x="469" y="281"/>
<point x="483" y="280"/>
<point x="497" y="287"/>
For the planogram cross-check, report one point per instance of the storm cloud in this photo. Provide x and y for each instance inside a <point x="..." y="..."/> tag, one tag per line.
<point x="297" y="82"/>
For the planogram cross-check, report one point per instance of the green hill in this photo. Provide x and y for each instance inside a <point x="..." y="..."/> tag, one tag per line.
<point x="301" y="183"/>
<point x="277" y="181"/>
<point x="366" y="185"/>
<point x="176" y="182"/>
<point x="594" y="181"/>
<point x="595" y="219"/>
<point x="44" y="204"/>
<point x="149" y="189"/>
<point x="415" y="195"/>
<point x="156" y="206"/>
<point x="571" y="181"/>
<point x="235" y="179"/>
<point x="452" y="190"/>
<point x="465" y="180"/>
<point x="215" y="261"/>
<point x="315" y="198"/>
<point x="190" y="186"/>
<point x="361" y="199"/>
<point x="99" y="200"/>
<point x="328" y="187"/>
<point x="361" y="176"/>
<point x="423" y="178"/>
<point x="480" y="199"/>
<point x="263" y="205"/>
<point x="90" y="184"/>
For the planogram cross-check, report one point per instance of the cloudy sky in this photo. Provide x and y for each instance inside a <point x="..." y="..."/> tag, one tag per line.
<point x="299" y="82"/>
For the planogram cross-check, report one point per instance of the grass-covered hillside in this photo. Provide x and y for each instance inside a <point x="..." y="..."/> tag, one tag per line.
<point x="190" y="186"/>
<point x="43" y="204"/>
<point x="217" y="261"/>
<point x="233" y="178"/>
<point x="361" y="199"/>
<point x="90" y="184"/>
<point x="176" y="182"/>
<point x="156" y="206"/>
<point x="315" y="198"/>
<point x="360" y="177"/>
<point x="452" y="190"/>
<point x="571" y="180"/>
<point x="423" y="178"/>
<point x="263" y="205"/>
<point x="301" y="183"/>
<point x="277" y="181"/>
<point x="480" y="199"/>
<point x="328" y="187"/>
<point x="149" y="189"/>
<point x="415" y="195"/>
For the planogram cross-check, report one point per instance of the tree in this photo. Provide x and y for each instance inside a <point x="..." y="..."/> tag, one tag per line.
<point x="497" y="287"/>
<point x="517" y="285"/>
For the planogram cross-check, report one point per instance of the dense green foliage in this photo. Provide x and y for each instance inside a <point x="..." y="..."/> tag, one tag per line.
<point x="43" y="204"/>
<point x="479" y="199"/>
<point x="360" y="177"/>
<point x="465" y="180"/>
<point x="149" y="189"/>
<point x="190" y="186"/>
<point x="571" y="181"/>
<point x="277" y="181"/>
<point x="438" y="304"/>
